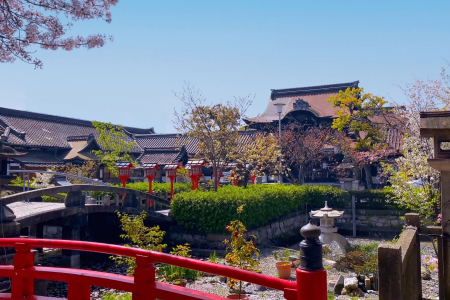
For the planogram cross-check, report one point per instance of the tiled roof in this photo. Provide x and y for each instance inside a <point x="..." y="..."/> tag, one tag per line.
<point x="163" y="156"/>
<point x="37" y="158"/>
<point x="41" y="130"/>
<point x="314" y="99"/>
<point x="156" y="141"/>
<point x="313" y="90"/>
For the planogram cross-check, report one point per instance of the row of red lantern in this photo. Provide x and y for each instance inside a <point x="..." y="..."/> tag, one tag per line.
<point x="195" y="173"/>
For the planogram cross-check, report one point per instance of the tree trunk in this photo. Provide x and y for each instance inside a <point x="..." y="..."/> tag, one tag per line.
<point x="368" y="173"/>
<point x="301" y="175"/>
<point x="216" y="177"/>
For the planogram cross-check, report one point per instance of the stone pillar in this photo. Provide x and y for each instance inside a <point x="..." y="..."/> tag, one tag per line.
<point x="71" y="230"/>
<point x="75" y="199"/>
<point x="445" y="210"/>
<point x="36" y="232"/>
<point x="436" y="125"/>
<point x="131" y="201"/>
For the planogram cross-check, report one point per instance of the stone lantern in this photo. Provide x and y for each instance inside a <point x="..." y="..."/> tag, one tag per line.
<point x="436" y="125"/>
<point x="327" y="228"/>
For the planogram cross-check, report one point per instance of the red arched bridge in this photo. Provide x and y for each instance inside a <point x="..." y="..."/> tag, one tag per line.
<point x="310" y="285"/>
<point x="19" y="209"/>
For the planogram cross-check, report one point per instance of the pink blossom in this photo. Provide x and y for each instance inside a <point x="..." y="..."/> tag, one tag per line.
<point x="22" y="24"/>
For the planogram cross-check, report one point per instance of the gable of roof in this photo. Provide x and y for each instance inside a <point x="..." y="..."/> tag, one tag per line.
<point x="312" y="99"/>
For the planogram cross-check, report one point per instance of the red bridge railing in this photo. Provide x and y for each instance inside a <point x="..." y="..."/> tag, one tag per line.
<point x="143" y="284"/>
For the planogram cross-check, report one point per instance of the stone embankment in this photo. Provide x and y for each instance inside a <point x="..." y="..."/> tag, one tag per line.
<point x="377" y="223"/>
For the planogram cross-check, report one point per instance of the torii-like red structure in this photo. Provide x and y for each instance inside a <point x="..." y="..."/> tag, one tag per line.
<point x="195" y="171"/>
<point x="150" y="174"/>
<point x="233" y="168"/>
<point x="124" y="168"/>
<point x="171" y="172"/>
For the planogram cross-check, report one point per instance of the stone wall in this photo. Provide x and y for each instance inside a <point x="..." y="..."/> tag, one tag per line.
<point x="380" y="223"/>
<point x="368" y="222"/>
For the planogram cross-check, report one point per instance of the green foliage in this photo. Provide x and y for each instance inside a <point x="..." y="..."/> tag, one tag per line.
<point x="356" y="114"/>
<point x="114" y="296"/>
<point x="241" y="253"/>
<point x="213" y="258"/>
<point x="363" y="259"/>
<point x="171" y="273"/>
<point x="140" y="236"/>
<point x="17" y="181"/>
<point x="46" y="198"/>
<point x="210" y="211"/>
<point x="160" y="187"/>
<point x="330" y="295"/>
<point x="114" y="148"/>
<point x="215" y="127"/>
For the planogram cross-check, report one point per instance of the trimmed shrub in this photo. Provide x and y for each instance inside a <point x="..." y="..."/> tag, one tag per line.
<point x="374" y="199"/>
<point x="211" y="211"/>
<point x="160" y="187"/>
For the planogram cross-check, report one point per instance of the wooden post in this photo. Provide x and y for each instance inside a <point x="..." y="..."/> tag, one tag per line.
<point x="144" y="276"/>
<point x="311" y="276"/>
<point x="354" y="214"/>
<point x="390" y="272"/>
<point x="23" y="259"/>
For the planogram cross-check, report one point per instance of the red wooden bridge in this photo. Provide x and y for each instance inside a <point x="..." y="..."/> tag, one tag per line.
<point x="310" y="285"/>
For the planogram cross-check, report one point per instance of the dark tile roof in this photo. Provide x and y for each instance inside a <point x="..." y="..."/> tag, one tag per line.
<point x="155" y="141"/>
<point x="163" y="156"/>
<point x="40" y="158"/>
<point x="40" y="130"/>
<point x="312" y="90"/>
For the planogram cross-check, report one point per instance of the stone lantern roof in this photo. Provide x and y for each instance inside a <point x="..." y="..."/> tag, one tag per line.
<point x="326" y="212"/>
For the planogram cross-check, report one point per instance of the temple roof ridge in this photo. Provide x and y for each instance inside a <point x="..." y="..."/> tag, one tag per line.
<point x="24" y="114"/>
<point x="317" y="89"/>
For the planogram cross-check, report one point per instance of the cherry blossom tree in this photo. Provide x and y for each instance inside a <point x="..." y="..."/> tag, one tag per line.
<point x="28" y="23"/>
<point x="214" y="126"/>
<point x="302" y="145"/>
<point x="415" y="184"/>
<point x="258" y="157"/>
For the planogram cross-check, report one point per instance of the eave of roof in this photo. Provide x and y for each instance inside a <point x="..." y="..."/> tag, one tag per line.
<point x="312" y="90"/>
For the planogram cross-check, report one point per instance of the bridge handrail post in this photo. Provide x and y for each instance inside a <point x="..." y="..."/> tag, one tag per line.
<point x="23" y="259"/>
<point x="144" y="276"/>
<point x="311" y="276"/>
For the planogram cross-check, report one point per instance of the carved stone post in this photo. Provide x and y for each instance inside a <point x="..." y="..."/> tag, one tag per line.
<point x="437" y="126"/>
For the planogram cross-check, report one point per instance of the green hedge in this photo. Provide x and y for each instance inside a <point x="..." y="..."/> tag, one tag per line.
<point x="211" y="211"/>
<point x="160" y="187"/>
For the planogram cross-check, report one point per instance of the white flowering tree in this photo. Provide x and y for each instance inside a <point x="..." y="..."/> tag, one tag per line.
<point x="415" y="184"/>
<point x="26" y="25"/>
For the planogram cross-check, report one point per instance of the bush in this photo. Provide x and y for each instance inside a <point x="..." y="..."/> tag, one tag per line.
<point x="363" y="259"/>
<point x="46" y="198"/>
<point x="160" y="187"/>
<point x="113" y="296"/>
<point x="211" y="211"/>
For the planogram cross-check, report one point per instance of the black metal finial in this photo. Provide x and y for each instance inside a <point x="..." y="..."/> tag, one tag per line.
<point x="310" y="248"/>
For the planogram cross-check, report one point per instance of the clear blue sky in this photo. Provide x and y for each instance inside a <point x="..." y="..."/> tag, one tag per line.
<point x="230" y="48"/>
